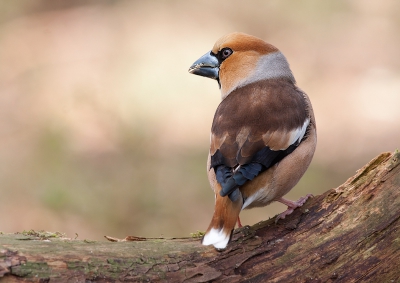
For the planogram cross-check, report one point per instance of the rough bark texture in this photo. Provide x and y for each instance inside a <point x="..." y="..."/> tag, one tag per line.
<point x="348" y="234"/>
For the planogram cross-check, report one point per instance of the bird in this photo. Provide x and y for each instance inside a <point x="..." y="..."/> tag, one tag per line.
<point x="263" y="135"/>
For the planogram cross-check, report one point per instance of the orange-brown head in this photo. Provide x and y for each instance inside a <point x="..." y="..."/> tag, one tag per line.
<point x="238" y="59"/>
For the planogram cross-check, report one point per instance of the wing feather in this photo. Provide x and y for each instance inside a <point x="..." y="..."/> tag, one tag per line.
<point x="255" y="127"/>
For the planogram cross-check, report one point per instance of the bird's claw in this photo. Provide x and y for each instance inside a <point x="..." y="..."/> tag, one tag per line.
<point x="292" y="205"/>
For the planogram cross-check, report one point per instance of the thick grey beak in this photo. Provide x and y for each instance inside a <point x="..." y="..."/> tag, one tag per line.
<point x="206" y="66"/>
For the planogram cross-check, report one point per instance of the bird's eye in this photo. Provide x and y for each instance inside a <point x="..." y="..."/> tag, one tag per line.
<point x="225" y="53"/>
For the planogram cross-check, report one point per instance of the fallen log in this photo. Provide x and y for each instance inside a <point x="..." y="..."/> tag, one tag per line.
<point x="348" y="234"/>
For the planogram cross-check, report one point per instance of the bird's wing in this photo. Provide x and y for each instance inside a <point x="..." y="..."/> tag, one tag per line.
<point x="255" y="127"/>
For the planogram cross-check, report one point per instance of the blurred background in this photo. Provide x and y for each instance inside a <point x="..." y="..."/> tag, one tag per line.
<point x="104" y="132"/>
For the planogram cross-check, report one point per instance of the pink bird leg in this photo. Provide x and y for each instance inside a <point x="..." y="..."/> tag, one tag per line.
<point x="292" y="205"/>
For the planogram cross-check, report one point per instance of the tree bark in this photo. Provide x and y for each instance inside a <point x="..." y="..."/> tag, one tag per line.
<point x="348" y="234"/>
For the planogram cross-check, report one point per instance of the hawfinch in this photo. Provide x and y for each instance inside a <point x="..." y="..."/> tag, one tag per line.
<point x="263" y="135"/>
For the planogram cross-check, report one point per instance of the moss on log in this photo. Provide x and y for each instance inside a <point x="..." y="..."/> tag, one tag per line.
<point x="348" y="234"/>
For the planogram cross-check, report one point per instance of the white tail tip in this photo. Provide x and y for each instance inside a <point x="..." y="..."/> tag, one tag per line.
<point x="216" y="237"/>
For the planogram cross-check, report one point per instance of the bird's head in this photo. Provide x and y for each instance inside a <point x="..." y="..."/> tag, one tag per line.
<point x="238" y="59"/>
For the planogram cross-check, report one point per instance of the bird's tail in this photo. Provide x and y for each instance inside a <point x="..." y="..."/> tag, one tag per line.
<point x="223" y="222"/>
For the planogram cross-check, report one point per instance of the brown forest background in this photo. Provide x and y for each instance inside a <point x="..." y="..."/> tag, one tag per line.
<point x="104" y="132"/>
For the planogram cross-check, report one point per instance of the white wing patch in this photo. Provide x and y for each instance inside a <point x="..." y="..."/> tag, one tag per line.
<point x="298" y="134"/>
<point x="281" y="140"/>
